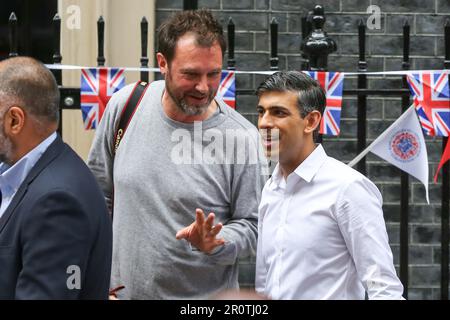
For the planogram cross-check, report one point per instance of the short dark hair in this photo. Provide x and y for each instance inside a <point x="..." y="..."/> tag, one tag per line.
<point x="31" y="85"/>
<point x="201" y="23"/>
<point x="310" y="94"/>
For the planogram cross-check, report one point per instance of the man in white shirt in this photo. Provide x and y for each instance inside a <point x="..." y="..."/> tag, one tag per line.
<point x="321" y="229"/>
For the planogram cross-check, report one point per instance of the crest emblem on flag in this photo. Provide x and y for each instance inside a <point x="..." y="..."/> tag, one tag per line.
<point x="431" y="100"/>
<point x="97" y="87"/>
<point x="404" y="145"/>
<point x="333" y="84"/>
<point x="227" y="88"/>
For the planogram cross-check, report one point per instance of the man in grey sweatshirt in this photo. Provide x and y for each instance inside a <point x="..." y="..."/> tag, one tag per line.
<point x="185" y="153"/>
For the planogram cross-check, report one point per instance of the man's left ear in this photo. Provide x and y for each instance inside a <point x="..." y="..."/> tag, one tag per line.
<point x="312" y="121"/>
<point x="14" y="120"/>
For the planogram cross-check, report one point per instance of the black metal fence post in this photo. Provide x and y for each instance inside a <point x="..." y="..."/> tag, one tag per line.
<point x="274" y="44"/>
<point x="404" y="184"/>
<point x="306" y="30"/>
<point x="13" y="39"/>
<point x="362" y="97"/>
<point x="101" y="41"/>
<point x="317" y="46"/>
<point x="57" y="58"/>
<point x="231" y="62"/>
<point x="190" y="4"/>
<point x="144" y="45"/>
<point x="445" y="189"/>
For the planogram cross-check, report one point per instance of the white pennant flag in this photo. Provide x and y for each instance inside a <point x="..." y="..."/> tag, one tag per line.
<point x="403" y="145"/>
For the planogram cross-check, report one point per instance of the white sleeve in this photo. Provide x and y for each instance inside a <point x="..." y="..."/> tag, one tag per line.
<point x="261" y="272"/>
<point x="360" y="219"/>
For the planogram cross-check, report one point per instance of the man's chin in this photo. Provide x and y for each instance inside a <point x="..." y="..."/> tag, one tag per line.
<point x="194" y="110"/>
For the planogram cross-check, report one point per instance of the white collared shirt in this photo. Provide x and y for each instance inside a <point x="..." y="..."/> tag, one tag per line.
<point x="11" y="177"/>
<point x="322" y="235"/>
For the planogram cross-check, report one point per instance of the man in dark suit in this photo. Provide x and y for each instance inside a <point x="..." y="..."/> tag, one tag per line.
<point x="55" y="230"/>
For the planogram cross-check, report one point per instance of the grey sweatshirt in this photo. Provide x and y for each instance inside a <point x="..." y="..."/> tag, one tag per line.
<point x="163" y="170"/>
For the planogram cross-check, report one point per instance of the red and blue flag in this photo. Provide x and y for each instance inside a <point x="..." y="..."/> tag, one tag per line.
<point x="97" y="87"/>
<point x="227" y="88"/>
<point x="333" y="85"/>
<point x="430" y="92"/>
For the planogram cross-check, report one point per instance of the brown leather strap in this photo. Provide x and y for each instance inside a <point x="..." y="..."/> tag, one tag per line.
<point x="113" y="292"/>
<point x="128" y="111"/>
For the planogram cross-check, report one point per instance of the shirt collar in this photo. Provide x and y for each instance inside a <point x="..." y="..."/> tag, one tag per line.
<point x="12" y="177"/>
<point x="276" y="177"/>
<point x="306" y="170"/>
<point x="311" y="165"/>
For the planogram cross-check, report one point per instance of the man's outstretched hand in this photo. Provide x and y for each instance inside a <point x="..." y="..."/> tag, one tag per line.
<point x="202" y="232"/>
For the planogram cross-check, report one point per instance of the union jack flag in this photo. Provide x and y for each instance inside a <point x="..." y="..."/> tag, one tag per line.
<point x="97" y="87"/>
<point x="227" y="88"/>
<point x="431" y="99"/>
<point x="333" y="84"/>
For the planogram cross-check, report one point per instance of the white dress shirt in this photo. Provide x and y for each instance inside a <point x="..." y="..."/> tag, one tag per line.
<point x="11" y="177"/>
<point x="322" y="235"/>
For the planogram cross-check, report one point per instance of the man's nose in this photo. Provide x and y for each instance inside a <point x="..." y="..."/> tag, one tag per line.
<point x="202" y="84"/>
<point x="265" y="121"/>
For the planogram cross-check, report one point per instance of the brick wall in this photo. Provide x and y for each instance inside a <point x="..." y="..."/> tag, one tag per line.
<point x="384" y="53"/>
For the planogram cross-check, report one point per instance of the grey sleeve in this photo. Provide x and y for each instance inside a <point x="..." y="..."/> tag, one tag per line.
<point x="101" y="159"/>
<point x="241" y="230"/>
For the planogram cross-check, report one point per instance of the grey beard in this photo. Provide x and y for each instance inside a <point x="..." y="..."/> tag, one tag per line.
<point x="191" y="110"/>
<point x="188" y="109"/>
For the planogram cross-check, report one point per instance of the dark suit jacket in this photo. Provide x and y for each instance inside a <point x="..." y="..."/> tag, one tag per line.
<point x="55" y="236"/>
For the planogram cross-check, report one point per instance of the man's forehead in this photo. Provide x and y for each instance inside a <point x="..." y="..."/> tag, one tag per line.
<point x="186" y="39"/>
<point x="190" y="40"/>
<point x="278" y="96"/>
<point x="197" y="58"/>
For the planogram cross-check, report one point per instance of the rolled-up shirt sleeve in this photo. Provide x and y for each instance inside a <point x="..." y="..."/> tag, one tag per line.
<point x="360" y="219"/>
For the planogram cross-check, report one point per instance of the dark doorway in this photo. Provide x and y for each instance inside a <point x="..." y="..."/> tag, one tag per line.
<point x="34" y="20"/>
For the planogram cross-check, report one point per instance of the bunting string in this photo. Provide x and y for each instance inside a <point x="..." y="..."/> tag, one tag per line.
<point x="263" y="72"/>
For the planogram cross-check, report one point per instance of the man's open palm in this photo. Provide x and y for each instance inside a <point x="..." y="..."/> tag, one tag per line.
<point x="202" y="232"/>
